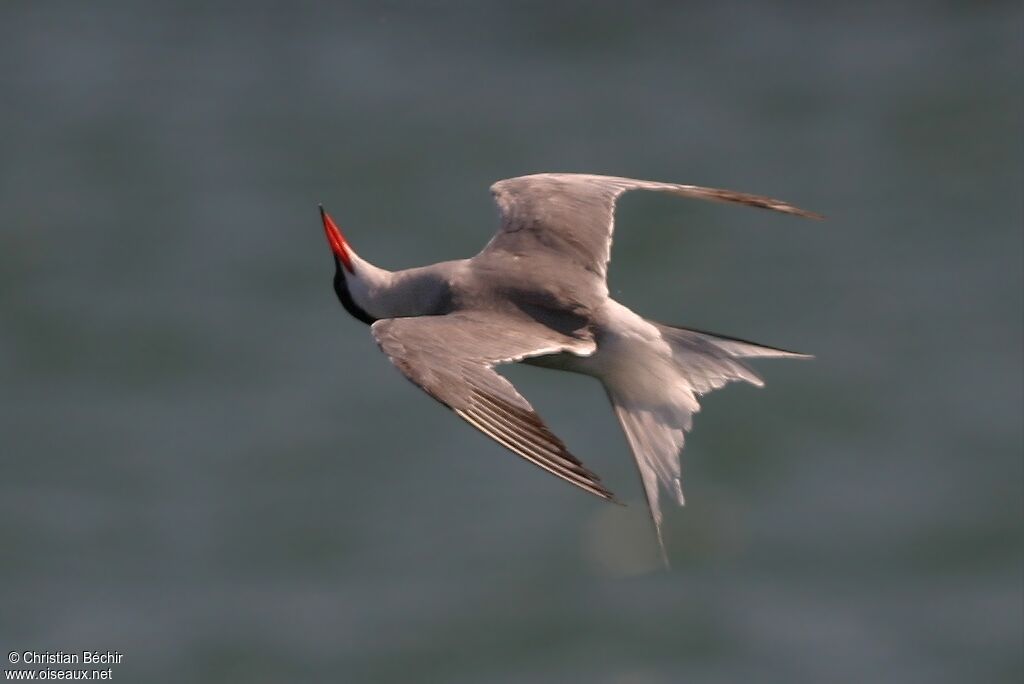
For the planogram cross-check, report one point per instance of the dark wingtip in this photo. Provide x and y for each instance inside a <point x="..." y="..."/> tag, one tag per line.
<point x="787" y="208"/>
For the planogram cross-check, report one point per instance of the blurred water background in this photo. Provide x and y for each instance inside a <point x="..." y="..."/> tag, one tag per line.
<point x="207" y="466"/>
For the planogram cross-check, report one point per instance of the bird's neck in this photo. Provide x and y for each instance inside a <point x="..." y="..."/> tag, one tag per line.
<point x="377" y="293"/>
<point x="363" y="290"/>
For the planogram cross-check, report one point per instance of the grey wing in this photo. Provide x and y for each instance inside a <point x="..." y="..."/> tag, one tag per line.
<point x="452" y="359"/>
<point x="573" y="215"/>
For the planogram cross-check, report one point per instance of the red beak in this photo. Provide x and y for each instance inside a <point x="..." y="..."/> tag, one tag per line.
<point x="336" y="240"/>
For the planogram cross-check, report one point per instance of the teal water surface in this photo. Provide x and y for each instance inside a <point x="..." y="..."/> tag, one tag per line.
<point x="207" y="466"/>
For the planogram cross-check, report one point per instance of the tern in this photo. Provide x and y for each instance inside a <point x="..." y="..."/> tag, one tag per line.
<point x="537" y="293"/>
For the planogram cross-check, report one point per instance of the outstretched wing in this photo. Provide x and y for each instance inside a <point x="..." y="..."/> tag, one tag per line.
<point x="573" y="215"/>
<point x="452" y="359"/>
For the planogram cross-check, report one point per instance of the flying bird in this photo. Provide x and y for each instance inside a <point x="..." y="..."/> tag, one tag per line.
<point x="537" y="293"/>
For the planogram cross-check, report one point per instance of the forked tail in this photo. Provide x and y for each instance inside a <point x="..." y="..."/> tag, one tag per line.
<point x="655" y="415"/>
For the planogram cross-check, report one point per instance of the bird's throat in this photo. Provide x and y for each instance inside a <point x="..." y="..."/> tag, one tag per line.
<point x="341" y="289"/>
